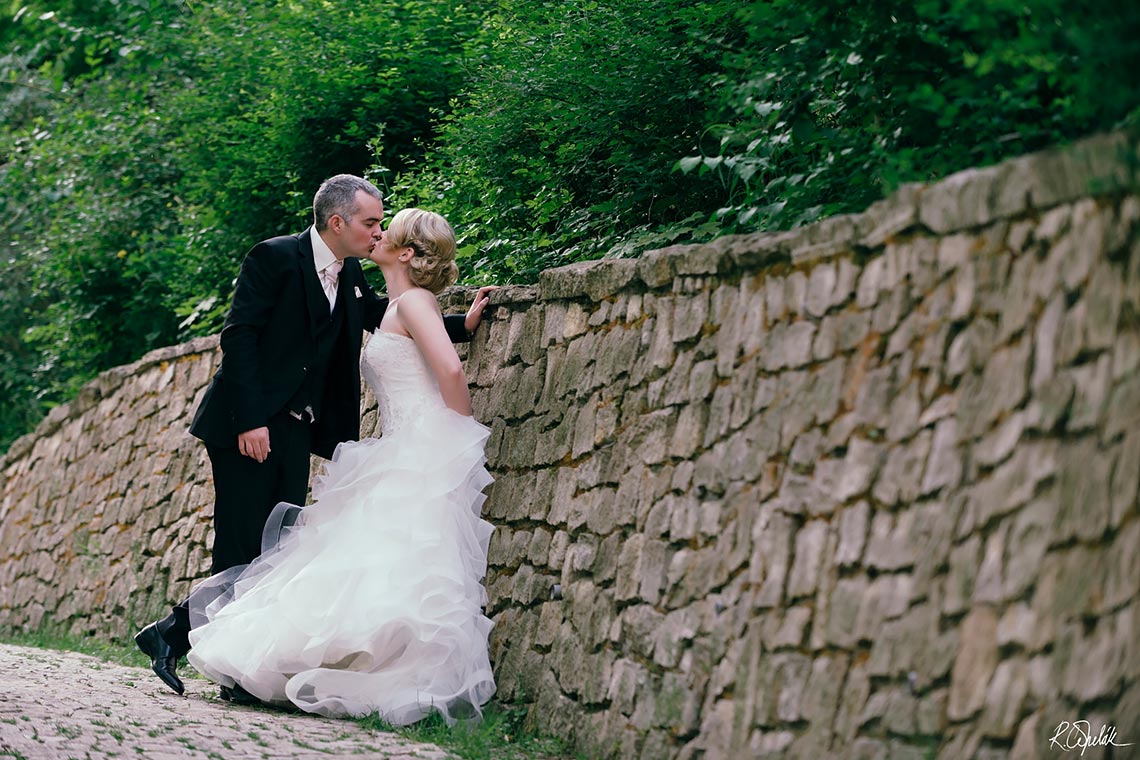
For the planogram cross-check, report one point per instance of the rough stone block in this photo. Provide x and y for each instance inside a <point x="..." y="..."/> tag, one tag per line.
<point x="843" y="614"/>
<point x="689" y="315"/>
<point x="889" y="546"/>
<point x="990" y="585"/>
<point x="641" y="569"/>
<point x="1029" y="538"/>
<point x="676" y="632"/>
<point x="821" y="698"/>
<point x="1125" y="478"/>
<point x="892" y="308"/>
<point x="771" y="543"/>
<point x="853" y="522"/>
<point x="1085" y="506"/>
<point x="1019" y="299"/>
<point x="1125" y="355"/>
<point x="1123" y="404"/>
<point x="792" y="672"/>
<point x="901" y="477"/>
<point x="892" y="216"/>
<point x="959" y="585"/>
<point x="971" y="347"/>
<point x="960" y="201"/>
<point x="975" y="665"/>
<point x="595" y="279"/>
<point x="811" y="540"/>
<point x="820" y="289"/>
<point x="1092" y="665"/>
<point x="944" y="466"/>
<point x="1091" y="384"/>
<point x="859" y="468"/>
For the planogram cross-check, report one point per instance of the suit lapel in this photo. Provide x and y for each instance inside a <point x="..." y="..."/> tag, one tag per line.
<point x="346" y="292"/>
<point x="315" y="299"/>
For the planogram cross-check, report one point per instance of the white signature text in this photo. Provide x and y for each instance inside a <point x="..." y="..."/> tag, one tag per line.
<point x="1079" y="734"/>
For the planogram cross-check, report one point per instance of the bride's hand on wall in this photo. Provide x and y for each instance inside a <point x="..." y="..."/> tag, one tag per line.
<point x="475" y="313"/>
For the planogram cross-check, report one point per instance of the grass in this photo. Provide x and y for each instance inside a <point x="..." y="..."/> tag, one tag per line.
<point x="117" y="651"/>
<point x="501" y="735"/>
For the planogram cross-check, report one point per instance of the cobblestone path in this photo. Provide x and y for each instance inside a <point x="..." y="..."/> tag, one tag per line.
<point x="66" y="705"/>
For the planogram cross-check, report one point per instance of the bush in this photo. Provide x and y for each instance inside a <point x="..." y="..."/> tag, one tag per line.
<point x="146" y="146"/>
<point x="563" y="146"/>
<point x="878" y="94"/>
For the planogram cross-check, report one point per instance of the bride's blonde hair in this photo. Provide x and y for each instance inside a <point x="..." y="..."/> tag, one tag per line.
<point x="433" y="242"/>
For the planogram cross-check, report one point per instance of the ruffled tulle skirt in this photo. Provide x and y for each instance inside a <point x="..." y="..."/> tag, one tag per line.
<point x="369" y="600"/>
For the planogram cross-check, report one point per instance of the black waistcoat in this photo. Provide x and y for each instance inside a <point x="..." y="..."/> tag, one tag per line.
<point x="331" y="332"/>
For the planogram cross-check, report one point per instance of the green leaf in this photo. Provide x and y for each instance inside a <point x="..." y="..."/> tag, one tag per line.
<point x="688" y="163"/>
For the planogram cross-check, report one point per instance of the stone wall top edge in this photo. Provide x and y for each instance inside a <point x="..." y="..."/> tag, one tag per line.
<point x="1102" y="164"/>
<point x="458" y="297"/>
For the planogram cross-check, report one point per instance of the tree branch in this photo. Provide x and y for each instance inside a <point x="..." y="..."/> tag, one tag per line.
<point x="33" y="86"/>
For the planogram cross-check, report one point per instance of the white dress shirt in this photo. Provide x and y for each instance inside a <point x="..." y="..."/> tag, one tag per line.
<point x="328" y="266"/>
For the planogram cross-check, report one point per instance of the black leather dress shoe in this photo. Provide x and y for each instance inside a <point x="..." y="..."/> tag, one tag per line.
<point x="238" y="696"/>
<point x="163" y="661"/>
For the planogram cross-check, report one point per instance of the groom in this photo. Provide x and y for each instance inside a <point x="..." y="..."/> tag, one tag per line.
<point x="289" y="383"/>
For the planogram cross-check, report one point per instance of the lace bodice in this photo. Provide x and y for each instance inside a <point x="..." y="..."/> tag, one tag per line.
<point x="400" y="378"/>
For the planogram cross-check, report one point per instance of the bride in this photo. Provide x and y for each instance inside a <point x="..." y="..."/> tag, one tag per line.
<point x="369" y="600"/>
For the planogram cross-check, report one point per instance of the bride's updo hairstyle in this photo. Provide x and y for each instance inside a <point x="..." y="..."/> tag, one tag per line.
<point x="432" y="240"/>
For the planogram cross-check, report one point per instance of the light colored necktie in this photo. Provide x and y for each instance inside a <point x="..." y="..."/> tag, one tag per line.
<point x="329" y="277"/>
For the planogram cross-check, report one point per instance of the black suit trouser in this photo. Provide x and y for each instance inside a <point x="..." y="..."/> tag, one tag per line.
<point x="245" y="492"/>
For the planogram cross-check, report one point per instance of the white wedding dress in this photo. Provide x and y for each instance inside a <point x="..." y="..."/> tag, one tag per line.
<point x="369" y="600"/>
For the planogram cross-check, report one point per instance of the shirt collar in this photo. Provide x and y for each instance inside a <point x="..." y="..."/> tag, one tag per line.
<point x="322" y="254"/>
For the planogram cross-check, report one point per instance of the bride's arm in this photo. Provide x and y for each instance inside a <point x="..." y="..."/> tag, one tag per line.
<point x="419" y="311"/>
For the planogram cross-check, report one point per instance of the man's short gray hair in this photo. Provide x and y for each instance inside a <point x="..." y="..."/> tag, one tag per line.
<point x="337" y="197"/>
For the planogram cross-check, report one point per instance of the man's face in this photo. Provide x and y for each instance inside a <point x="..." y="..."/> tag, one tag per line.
<point x="355" y="238"/>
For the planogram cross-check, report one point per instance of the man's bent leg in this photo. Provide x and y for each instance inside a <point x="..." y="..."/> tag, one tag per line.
<point x="239" y="484"/>
<point x="245" y="492"/>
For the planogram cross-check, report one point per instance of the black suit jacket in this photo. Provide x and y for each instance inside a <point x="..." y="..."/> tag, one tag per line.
<point x="269" y="344"/>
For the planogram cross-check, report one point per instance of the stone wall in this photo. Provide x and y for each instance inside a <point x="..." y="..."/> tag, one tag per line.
<point x="865" y="489"/>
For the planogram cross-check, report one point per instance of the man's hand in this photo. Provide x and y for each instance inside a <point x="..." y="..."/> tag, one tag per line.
<point x="255" y="443"/>
<point x="475" y="313"/>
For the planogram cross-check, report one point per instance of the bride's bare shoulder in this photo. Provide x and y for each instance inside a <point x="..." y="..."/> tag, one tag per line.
<point x="420" y="297"/>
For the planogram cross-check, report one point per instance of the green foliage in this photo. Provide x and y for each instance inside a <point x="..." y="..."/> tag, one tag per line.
<point x="145" y="145"/>
<point x="274" y="103"/>
<point x="563" y="144"/>
<point x="827" y="107"/>
<point x="22" y="409"/>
